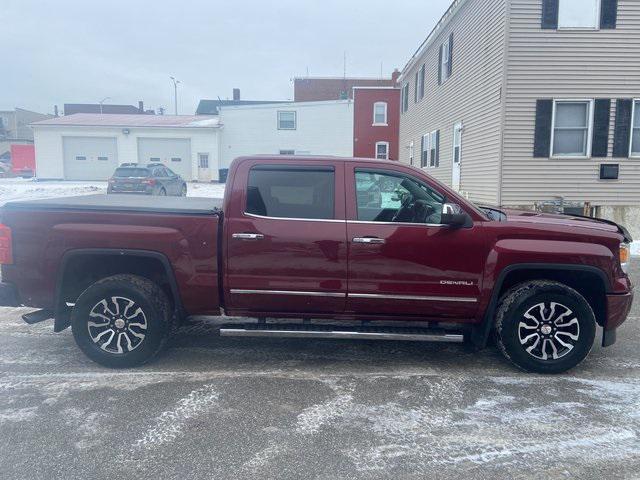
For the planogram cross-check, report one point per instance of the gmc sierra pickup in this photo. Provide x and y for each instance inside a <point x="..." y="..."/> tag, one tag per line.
<point x="331" y="248"/>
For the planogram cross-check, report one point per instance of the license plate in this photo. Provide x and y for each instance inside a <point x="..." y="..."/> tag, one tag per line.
<point x="127" y="185"/>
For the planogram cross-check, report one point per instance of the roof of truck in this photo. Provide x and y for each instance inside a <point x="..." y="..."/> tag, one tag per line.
<point x="126" y="203"/>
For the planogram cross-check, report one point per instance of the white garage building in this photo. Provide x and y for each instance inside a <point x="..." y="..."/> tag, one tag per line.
<point x="91" y="146"/>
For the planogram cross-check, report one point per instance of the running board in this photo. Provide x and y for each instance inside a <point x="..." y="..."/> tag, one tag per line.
<point x="37" y="316"/>
<point x="323" y="331"/>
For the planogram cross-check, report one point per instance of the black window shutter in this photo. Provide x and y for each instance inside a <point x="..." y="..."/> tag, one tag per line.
<point x="438" y="148"/>
<point x="622" y="135"/>
<point x="608" y="14"/>
<point x="550" y="14"/>
<point x="542" y="140"/>
<point x="440" y="66"/>
<point x="601" y="117"/>
<point x="415" y="89"/>
<point x="450" y="65"/>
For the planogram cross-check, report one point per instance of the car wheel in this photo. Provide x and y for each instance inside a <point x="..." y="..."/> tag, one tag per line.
<point x="122" y="321"/>
<point x="544" y="327"/>
<point x="183" y="191"/>
<point x="162" y="192"/>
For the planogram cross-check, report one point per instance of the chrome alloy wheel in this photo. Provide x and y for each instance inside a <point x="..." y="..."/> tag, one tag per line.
<point x="549" y="331"/>
<point x="118" y="325"/>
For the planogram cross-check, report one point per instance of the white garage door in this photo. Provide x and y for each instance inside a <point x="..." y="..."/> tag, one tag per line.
<point x="89" y="158"/>
<point x="175" y="153"/>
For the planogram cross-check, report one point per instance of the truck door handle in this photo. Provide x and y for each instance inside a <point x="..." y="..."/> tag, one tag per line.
<point x="369" y="240"/>
<point x="248" y="236"/>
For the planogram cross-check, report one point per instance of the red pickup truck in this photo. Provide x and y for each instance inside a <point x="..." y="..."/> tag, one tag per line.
<point x="318" y="247"/>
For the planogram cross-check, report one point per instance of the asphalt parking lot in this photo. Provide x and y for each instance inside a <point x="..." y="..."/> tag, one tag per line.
<point x="221" y="408"/>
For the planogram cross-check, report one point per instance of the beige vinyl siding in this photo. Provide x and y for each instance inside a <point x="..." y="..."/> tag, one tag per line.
<point x="567" y="64"/>
<point x="473" y="96"/>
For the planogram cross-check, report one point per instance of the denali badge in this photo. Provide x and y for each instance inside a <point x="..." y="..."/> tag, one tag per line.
<point x="464" y="283"/>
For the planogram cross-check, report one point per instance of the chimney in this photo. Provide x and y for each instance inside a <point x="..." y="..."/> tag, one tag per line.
<point x="236" y="94"/>
<point x="141" y="106"/>
<point x="395" y="75"/>
<point x="55" y="110"/>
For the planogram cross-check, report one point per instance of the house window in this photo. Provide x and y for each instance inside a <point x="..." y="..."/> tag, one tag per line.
<point x="382" y="150"/>
<point x="434" y="139"/>
<point x="81" y="158"/>
<point x="635" y="131"/>
<point x="380" y="113"/>
<point x="579" y="14"/>
<point x="287" y="152"/>
<point x="286" y="120"/>
<point x="424" y="154"/>
<point x="421" y="82"/>
<point x="103" y="159"/>
<point x="444" y="67"/>
<point x="571" y="130"/>
<point x="405" y="97"/>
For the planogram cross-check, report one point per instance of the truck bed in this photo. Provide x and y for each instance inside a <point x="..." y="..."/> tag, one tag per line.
<point x="125" y="203"/>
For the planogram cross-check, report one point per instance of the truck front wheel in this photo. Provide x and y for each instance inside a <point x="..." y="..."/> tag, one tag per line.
<point x="544" y="326"/>
<point x="122" y="321"/>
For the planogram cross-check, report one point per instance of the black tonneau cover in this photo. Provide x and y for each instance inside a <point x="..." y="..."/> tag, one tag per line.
<point x="125" y="203"/>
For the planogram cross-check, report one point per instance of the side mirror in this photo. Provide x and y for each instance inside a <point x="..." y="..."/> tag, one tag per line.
<point x="454" y="216"/>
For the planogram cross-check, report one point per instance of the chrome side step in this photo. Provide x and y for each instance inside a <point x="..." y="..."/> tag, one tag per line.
<point x="410" y="336"/>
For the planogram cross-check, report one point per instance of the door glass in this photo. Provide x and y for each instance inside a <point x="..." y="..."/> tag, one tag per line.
<point x="385" y="197"/>
<point x="291" y="193"/>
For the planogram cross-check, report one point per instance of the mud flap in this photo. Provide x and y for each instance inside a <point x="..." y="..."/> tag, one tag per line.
<point x="609" y="337"/>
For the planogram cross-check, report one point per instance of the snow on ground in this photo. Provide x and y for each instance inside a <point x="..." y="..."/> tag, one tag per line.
<point x="12" y="189"/>
<point x="635" y="248"/>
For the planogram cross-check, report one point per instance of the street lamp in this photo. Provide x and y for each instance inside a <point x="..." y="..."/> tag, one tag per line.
<point x="102" y="101"/>
<point x="175" y="93"/>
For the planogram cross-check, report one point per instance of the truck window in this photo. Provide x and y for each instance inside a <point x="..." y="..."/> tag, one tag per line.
<point x="385" y="197"/>
<point x="291" y="192"/>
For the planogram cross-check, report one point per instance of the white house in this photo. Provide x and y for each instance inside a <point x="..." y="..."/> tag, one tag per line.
<point x="91" y="146"/>
<point x="300" y="128"/>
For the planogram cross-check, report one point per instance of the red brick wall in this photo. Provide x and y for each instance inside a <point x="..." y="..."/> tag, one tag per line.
<point x="319" y="89"/>
<point x="365" y="135"/>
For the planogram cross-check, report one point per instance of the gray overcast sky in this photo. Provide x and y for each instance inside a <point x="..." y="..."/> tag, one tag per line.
<point x="80" y="51"/>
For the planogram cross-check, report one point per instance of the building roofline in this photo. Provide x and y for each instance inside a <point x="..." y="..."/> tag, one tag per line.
<point x="77" y="125"/>
<point x="443" y="22"/>
<point x="385" y="79"/>
<point x="382" y="87"/>
<point x="286" y="104"/>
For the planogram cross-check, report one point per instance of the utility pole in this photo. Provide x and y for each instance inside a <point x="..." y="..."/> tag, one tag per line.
<point x="102" y="101"/>
<point x="175" y="93"/>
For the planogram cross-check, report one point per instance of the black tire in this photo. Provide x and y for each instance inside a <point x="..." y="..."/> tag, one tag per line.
<point x="162" y="192"/>
<point x="126" y="325"/>
<point x="521" y="321"/>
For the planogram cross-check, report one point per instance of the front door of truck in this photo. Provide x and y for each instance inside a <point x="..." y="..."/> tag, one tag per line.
<point x="402" y="261"/>
<point x="286" y="238"/>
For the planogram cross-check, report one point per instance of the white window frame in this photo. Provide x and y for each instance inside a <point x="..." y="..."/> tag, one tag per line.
<point x="444" y="64"/>
<point x="385" y="122"/>
<point x="295" y="119"/>
<point x="589" y="129"/>
<point x="411" y="152"/>
<point x="433" y="145"/>
<point x="426" y="139"/>
<point x="386" y="144"/>
<point x="633" y="114"/>
<point x="457" y="128"/>
<point x="597" y="25"/>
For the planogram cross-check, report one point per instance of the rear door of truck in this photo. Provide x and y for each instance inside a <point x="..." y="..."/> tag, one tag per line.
<point x="285" y="236"/>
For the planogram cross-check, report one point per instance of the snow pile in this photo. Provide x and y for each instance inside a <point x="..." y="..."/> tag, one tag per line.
<point x="15" y="189"/>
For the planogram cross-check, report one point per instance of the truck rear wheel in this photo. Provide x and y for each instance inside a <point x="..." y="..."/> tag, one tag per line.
<point x="122" y="321"/>
<point x="544" y="327"/>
